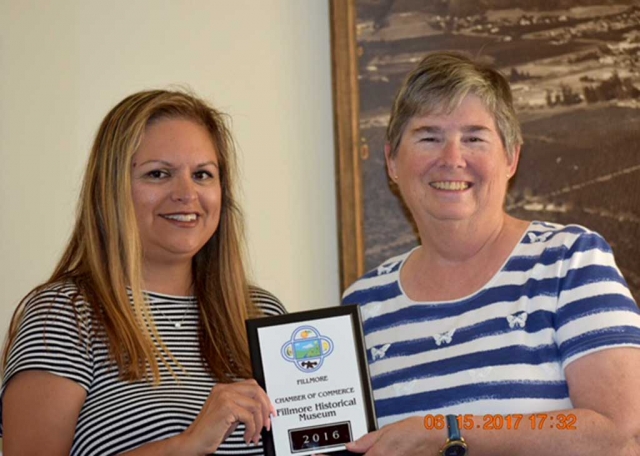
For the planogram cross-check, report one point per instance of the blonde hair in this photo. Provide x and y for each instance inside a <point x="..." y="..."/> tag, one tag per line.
<point x="104" y="255"/>
<point x="439" y="84"/>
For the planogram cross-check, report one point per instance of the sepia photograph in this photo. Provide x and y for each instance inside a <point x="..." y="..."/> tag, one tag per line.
<point x="574" y="69"/>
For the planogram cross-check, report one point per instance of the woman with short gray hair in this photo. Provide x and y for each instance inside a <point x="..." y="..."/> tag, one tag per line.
<point x="495" y="336"/>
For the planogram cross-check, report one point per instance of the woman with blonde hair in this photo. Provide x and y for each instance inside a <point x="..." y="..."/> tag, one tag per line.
<point x="136" y="343"/>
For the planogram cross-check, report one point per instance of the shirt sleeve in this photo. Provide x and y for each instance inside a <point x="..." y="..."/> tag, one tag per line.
<point x="595" y="309"/>
<point x="266" y="302"/>
<point x="54" y="336"/>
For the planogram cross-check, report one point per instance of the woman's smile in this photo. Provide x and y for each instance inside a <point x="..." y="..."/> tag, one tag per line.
<point x="450" y="186"/>
<point x="182" y="218"/>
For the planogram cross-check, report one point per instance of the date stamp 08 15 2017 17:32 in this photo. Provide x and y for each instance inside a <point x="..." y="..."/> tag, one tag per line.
<point x="560" y="421"/>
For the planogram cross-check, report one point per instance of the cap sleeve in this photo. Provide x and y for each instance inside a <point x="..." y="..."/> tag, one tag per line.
<point x="55" y="335"/>
<point x="595" y="307"/>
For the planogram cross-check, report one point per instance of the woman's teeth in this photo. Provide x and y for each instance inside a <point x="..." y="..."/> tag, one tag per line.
<point x="182" y="217"/>
<point x="449" y="185"/>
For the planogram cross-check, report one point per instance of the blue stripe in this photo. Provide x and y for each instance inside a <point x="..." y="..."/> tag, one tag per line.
<point x="467" y="393"/>
<point x="615" y="335"/>
<point x="590" y="274"/>
<point x="370" y="274"/>
<point x="375" y="293"/>
<point x="589" y="241"/>
<point x="575" y="229"/>
<point x="499" y="357"/>
<point x="536" y="321"/>
<point x="551" y="255"/>
<point x="427" y="312"/>
<point x="594" y="305"/>
<point x="508" y="293"/>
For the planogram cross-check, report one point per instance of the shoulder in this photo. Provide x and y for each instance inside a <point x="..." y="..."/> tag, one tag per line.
<point x="53" y="333"/>
<point x="377" y="282"/>
<point x="550" y="243"/>
<point x="565" y="250"/>
<point x="265" y="301"/>
<point x="55" y="292"/>
<point x="569" y="236"/>
<point x="53" y="316"/>
<point x="580" y="259"/>
<point x="56" y="302"/>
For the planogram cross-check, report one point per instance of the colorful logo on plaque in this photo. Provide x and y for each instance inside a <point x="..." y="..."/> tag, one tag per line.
<point x="307" y="349"/>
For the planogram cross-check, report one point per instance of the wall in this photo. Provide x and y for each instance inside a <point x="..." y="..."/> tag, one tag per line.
<point x="64" y="64"/>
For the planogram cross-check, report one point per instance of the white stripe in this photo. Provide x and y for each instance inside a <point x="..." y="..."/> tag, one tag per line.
<point x="593" y="322"/>
<point x="478" y="346"/>
<point x="511" y="372"/>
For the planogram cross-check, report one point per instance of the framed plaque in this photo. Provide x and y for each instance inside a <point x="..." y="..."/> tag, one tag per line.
<point x="313" y="366"/>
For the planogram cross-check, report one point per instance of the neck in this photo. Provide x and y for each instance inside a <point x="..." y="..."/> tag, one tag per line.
<point x="460" y="241"/>
<point x="168" y="278"/>
<point x="457" y="259"/>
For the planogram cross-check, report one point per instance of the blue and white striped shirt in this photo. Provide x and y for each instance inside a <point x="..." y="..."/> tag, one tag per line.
<point x="503" y="349"/>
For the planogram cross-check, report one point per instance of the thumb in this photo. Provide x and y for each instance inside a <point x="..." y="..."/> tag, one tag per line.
<point x="363" y="444"/>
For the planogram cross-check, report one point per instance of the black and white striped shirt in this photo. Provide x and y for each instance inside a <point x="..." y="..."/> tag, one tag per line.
<point x="119" y="416"/>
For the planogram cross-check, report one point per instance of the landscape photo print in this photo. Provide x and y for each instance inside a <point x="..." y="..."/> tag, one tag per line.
<point x="574" y="68"/>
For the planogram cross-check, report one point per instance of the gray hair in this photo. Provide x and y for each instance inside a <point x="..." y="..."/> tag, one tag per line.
<point x="439" y="84"/>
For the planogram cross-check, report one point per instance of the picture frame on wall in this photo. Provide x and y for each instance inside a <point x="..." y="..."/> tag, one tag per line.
<point x="574" y="69"/>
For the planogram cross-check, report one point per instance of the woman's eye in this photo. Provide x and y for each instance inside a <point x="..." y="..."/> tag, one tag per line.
<point x="202" y="175"/>
<point x="474" y="139"/>
<point x="429" y="139"/>
<point x="157" y="174"/>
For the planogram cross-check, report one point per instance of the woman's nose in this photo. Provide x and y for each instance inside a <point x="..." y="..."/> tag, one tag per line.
<point x="451" y="154"/>
<point x="184" y="189"/>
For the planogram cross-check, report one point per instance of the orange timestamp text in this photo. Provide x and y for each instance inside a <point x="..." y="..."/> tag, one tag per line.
<point x="560" y="421"/>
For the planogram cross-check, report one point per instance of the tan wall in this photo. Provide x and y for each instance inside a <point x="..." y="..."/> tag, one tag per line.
<point x="63" y="64"/>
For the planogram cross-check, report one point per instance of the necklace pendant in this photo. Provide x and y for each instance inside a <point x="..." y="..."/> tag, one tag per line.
<point x="178" y="325"/>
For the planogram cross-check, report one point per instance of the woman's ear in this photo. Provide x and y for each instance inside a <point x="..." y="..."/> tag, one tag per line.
<point x="515" y="159"/>
<point x="391" y="164"/>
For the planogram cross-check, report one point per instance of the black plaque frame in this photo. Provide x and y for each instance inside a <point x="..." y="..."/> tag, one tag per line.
<point x="353" y="311"/>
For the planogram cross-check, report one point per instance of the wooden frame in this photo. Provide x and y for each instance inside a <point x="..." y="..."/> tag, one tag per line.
<point x="347" y="132"/>
<point x="576" y="93"/>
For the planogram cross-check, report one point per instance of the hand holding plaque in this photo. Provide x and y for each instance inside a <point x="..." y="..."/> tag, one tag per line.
<point x="313" y="367"/>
